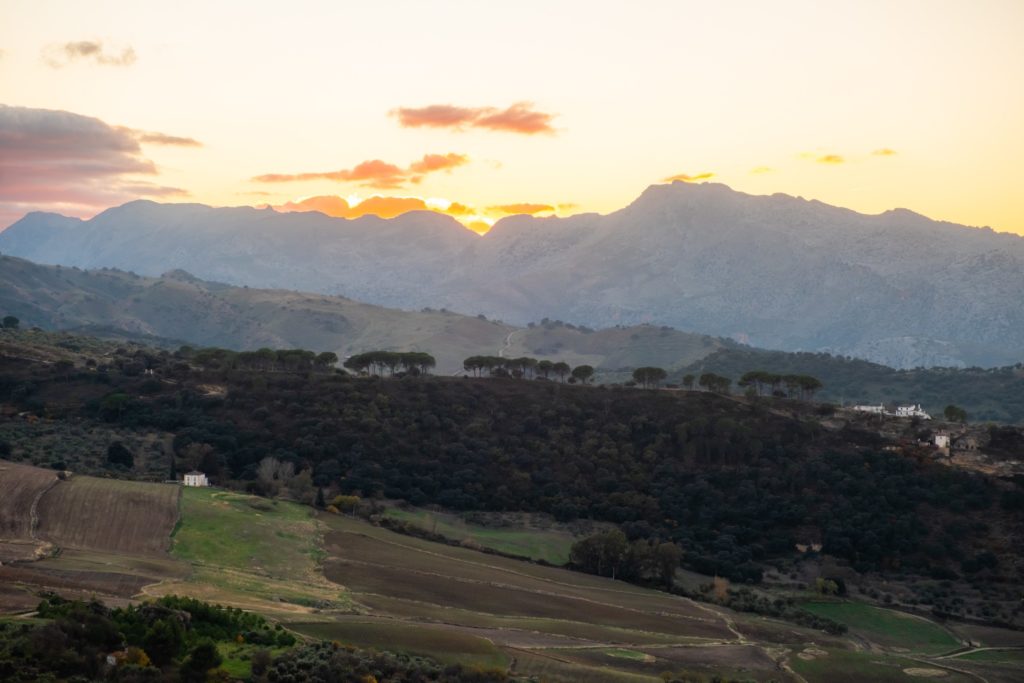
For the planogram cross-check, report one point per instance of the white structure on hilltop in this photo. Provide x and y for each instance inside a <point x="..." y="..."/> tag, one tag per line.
<point x="912" y="411"/>
<point x="901" y="411"/>
<point x="942" y="440"/>
<point x="196" y="478"/>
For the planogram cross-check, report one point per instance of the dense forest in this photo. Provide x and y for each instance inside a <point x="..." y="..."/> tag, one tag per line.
<point x="995" y="394"/>
<point x="735" y="484"/>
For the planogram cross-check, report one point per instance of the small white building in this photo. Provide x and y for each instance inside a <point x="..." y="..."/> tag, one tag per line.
<point x="942" y="440"/>
<point x="912" y="411"/>
<point x="874" y="410"/>
<point x="196" y="478"/>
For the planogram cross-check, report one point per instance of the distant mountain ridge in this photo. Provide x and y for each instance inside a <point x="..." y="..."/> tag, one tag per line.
<point x="773" y="271"/>
<point x="178" y="307"/>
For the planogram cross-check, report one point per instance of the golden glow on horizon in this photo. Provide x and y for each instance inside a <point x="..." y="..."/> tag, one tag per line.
<point x="871" y="105"/>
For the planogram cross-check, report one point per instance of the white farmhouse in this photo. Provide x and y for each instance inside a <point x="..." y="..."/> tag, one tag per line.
<point x="874" y="410"/>
<point x="912" y="411"/>
<point x="942" y="440"/>
<point x="196" y="478"/>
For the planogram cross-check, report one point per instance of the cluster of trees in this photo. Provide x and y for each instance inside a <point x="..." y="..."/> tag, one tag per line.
<point x="954" y="413"/>
<point x="797" y="386"/>
<point x="610" y="553"/>
<point x="265" y="360"/>
<point x="169" y="638"/>
<point x="988" y="394"/>
<point x="377" y="362"/>
<point x="714" y="383"/>
<point x="648" y="377"/>
<point x="10" y="322"/>
<point x="323" y="662"/>
<point x="528" y="368"/>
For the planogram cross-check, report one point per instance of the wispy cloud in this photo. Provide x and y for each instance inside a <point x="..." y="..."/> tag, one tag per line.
<point x="686" y="178"/>
<point x="761" y="169"/>
<point x="150" y="138"/>
<point x="94" y="51"/>
<point x="62" y="161"/>
<point x="520" y="118"/>
<point x="524" y="207"/>
<point x="376" y="173"/>
<point x="884" y="152"/>
<point x="830" y="159"/>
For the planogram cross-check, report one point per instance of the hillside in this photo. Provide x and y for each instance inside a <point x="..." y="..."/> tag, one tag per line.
<point x="737" y="485"/>
<point x="992" y="394"/>
<point x="661" y="464"/>
<point x="178" y="308"/>
<point x="773" y="271"/>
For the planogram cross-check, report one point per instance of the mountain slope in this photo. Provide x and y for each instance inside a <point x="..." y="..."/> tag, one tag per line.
<point x="178" y="306"/>
<point x="773" y="271"/>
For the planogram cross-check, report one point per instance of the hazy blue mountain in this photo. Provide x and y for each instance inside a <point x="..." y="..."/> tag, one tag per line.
<point x="773" y="271"/>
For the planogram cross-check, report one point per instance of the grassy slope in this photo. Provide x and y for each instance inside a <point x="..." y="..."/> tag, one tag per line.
<point x="265" y="557"/>
<point x="888" y="627"/>
<point x="550" y="545"/>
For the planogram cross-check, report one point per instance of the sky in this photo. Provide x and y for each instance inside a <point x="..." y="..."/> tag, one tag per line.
<point x="482" y="109"/>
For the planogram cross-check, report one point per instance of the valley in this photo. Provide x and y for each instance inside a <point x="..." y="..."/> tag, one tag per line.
<point x="335" y="577"/>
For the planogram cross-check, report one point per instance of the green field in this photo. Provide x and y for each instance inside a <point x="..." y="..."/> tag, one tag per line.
<point x="444" y="646"/>
<point x="549" y="545"/>
<point x="847" y="666"/>
<point x="888" y="627"/>
<point x="1015" y="656"/>
<point x="244" y="547"/>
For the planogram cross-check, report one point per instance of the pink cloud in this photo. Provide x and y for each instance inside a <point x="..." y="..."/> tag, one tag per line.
<point x="61" y="161"/>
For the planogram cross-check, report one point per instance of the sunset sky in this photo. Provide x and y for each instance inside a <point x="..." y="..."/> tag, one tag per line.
<point x="496" y="108"/>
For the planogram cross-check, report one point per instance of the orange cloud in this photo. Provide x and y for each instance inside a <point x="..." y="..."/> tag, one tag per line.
<point x="388" y="207"/>
<point x="884" y="152"/>
<point x="457" y="209"/>
<point x="438" y="162"/>
<point x="683" y="177"/>
<point x="376" y="173"/>
<point x="830" y="159"/>
<point x="332" y="205"/>
<point x="521" y="208"/>
<point x="517" y="118"/>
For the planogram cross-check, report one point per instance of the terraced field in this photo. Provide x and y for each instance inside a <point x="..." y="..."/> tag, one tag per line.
<point x="340" y="578"/>
<point x="21" y="487"/>
<point x="543" y="621"/>
<point x="111" y="515"/>
<point x="82" y="536"/>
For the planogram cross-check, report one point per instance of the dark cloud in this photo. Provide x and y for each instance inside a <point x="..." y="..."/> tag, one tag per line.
<point x="518" y="118"/>
<point x="61" y="161"/>
<point x="58" y="56"/>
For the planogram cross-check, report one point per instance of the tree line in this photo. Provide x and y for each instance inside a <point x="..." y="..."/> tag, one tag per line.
<point x="392" y="362"/>
<point x="770" y="383"/>
<point x="527" y="368"/>
<point x="267" y="360"/>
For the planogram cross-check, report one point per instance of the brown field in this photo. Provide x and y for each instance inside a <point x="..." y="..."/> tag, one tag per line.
<point x="20" y="486"/>
<point x="109" y="515"/>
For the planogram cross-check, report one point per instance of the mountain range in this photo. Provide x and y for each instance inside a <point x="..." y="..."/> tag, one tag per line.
<point x="770" y="271"/>
<point x="177" y="308"/>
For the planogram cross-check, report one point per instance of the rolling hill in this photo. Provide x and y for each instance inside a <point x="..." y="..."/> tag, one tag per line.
<point x="179" y="308"/>
<point x="772" y="271"/>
